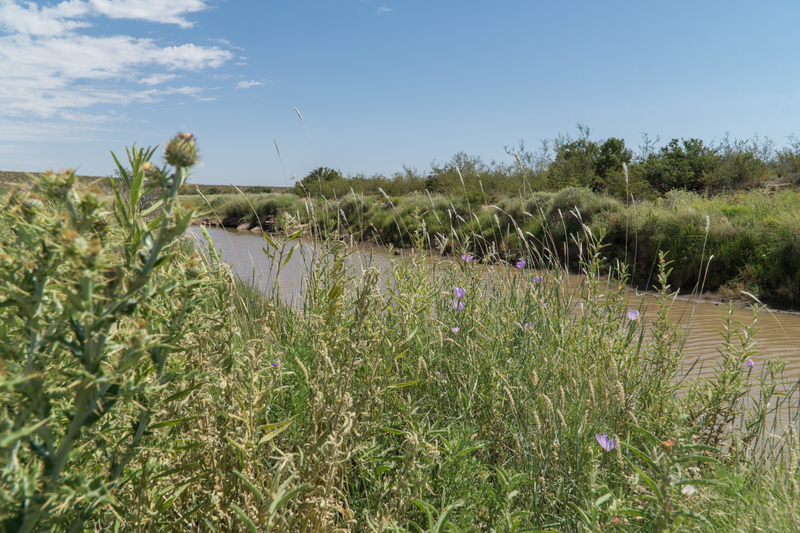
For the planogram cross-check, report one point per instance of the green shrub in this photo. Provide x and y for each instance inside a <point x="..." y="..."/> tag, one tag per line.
<point x="91" y="308"/>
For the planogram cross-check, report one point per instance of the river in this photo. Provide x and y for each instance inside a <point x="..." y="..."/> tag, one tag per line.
<point x="778" y="336"/>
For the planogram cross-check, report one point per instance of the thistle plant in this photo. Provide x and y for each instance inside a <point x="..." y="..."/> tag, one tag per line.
<point x="89" y="314"/>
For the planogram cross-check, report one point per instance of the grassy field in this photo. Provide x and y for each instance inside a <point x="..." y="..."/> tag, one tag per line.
<point x="145" y="388"/>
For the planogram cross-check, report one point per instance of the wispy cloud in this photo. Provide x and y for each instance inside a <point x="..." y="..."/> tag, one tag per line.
<point x="226" y="42"/>
<point x="247" y="84"/>
<point x="155" y="79"/>
<point x="49" y="69"/>
<point x="29" y="18"/>
<point x="384" y="9"/>
<point x="164" y="11"/>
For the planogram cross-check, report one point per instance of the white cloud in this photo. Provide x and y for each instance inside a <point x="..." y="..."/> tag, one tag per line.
<point x="226" y="42"/>
<point x="247" y="84"/>
<point x="48" y="69"/>
<point x="155" y="79"/>
<point x="47" y="21"/>
<point x="164" y="11"/>
<point x="191" y="91"/>
<point x="384" y="9"/>
<point x="31" y="19"/>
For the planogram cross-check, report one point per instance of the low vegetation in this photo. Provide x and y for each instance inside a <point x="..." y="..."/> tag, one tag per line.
<point x="144" y="388"/>
<point x="726" y="210"/>
<point x="743" y="241"/>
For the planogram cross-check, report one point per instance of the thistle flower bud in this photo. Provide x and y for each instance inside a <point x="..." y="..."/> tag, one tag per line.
<point x="32" y="205"/>
<point x="181" y="151"/>
<point x="17" y="197"/>
<point x="151" y="172"/>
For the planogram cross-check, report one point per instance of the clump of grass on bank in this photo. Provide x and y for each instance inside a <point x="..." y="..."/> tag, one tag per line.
<point x="754" y="237"/>
<point x="426" y="397"/>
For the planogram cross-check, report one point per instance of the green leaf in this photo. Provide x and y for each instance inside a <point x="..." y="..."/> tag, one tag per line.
<point x="465" y="451"/>
<point x="644" y="457"/>
<point x="584" y="517"/>
<point x="22" y="432"/>
<point x="270" y="242"/>
<point x="283" y="426"/>
<point x="289" y="255"/>
<point x="172" y="422"/>
<point x="250" y="525"/>
<point x="163" y="259"/>
<point x="181" y="394"/>
<point x="176" y="470"/>
<point x="137" y="183"/>
<point x="403" y="385"/>
<point x="652" y="484"/>
<point x="442" y="522"/>
<point x="152" y="208"/>
<point x="277" y="504"/>
<point x="602" y="499"/>
<point x="10" y="383"/>
<point x="250" y="485"/>
<point x="122" y="172"/>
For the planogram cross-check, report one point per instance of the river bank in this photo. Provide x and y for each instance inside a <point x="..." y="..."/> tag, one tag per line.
<point x="744" y="248"/>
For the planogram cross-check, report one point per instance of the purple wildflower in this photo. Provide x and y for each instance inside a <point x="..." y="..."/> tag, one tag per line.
<point x="526" y="325"/>
<point x="633" y="314"/>
<point x="276" y="365"/>
<point x="458" y="306"/>
<point x="459" y="293"/>
<point x="750" y="363"/>
<point x="456" y="330"/>
<point x="467" y="257"/>
<point x="520" y="263"/>
<point x="537" y="279"/>
<point x="606" y="443"/>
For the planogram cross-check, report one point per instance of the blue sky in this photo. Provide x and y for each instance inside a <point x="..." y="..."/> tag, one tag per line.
<point x="382" y="83"/>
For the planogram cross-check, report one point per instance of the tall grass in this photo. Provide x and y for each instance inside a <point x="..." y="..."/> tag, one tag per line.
<point x="390" y="400"/>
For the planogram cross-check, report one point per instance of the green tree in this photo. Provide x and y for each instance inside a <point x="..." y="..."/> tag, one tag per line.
<point x="681" y="165"/>
<point x="312" y="183"/>
<point x="467" y="173"/>
<point x="610" y="157"/>
<point x="574" y="165"/>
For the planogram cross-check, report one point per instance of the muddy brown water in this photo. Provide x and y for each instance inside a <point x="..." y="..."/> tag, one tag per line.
<point x="778" y="335"/>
